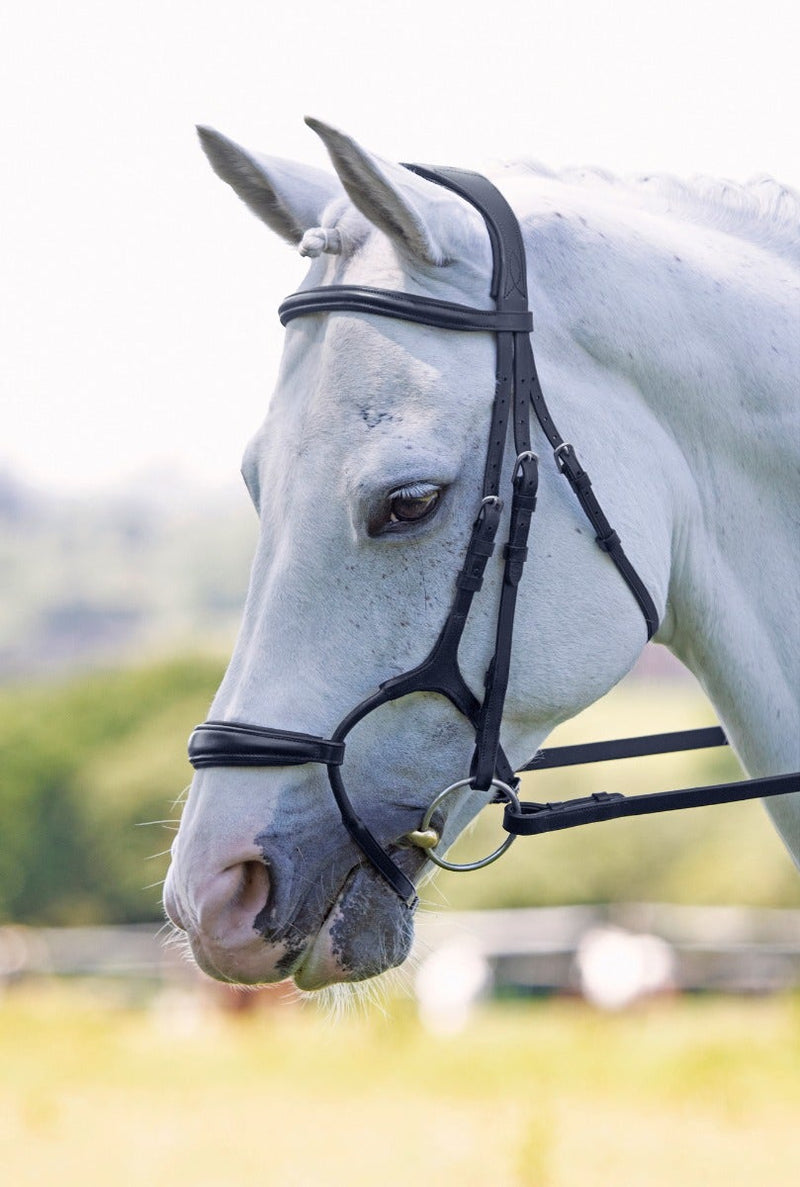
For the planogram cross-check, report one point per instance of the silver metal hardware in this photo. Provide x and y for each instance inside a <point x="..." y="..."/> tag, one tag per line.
<point x="527" y="456"/>
<point x="565" y="445"/>
<point x="422" y="836"/>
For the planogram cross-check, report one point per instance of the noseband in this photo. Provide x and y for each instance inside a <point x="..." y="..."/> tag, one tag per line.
<point x="517" y="389"/>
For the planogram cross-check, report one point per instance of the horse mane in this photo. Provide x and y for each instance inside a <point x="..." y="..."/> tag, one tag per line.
<point x="761" y="210"/>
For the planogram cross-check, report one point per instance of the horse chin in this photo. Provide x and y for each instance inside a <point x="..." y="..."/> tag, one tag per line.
<point x="244" y="964"/>
<point x="367" y="931"/>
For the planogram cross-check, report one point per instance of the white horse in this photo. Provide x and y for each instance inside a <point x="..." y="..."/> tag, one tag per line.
<point x="668" y="344"/>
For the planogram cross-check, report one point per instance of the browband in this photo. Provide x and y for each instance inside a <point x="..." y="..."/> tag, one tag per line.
<point x="444" y="315"/>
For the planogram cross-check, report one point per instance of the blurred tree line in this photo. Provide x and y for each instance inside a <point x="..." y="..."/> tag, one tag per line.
<point x="84" y="766"/>
<point x="87" y="764"/>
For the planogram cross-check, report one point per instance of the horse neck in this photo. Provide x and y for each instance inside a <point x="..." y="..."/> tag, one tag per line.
<point x="734" y="589"/>
<point x="703" y="326"/>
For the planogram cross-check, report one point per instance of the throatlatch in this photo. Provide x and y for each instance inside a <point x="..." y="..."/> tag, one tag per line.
<point x="517" y="390"/>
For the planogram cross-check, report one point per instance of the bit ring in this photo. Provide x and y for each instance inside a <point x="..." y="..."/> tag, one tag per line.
<point x="425" y="831"/>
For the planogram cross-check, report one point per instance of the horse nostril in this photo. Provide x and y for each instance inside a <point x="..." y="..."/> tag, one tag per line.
<point x="253" y="890"/>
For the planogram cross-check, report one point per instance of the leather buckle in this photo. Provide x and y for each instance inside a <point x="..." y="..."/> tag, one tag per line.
<point x="560" y="452"/>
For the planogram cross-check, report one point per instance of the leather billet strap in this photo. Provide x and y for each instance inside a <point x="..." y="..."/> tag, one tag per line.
<point x="607" y="539"/>
<point x="487" y="736"/>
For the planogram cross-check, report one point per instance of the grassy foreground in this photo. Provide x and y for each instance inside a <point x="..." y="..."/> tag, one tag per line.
<point x="704" y="1091"/>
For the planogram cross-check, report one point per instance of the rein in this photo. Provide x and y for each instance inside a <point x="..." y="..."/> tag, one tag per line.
<point x="517" y="390"/>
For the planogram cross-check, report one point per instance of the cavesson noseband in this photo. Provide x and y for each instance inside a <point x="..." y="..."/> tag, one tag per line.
<point x="517" y="388"/>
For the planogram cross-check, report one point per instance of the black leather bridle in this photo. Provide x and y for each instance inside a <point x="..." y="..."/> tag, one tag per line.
<point x="517" y="389"/>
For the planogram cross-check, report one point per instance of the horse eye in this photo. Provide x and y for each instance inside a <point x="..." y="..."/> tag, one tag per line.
<point x="409" y="506"/>
<point x="404" y="507"/>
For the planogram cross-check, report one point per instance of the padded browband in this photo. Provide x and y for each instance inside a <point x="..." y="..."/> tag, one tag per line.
<point x="445" y="315"/>
<point x="238" y="744"/>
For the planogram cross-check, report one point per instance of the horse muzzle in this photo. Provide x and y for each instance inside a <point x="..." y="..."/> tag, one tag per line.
<point x="297" y="901"/>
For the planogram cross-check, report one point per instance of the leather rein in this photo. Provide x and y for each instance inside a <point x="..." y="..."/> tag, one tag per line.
<point x="517" y="389"/>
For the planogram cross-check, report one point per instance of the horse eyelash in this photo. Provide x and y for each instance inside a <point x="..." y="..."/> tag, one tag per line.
<point x="415" y="490"/>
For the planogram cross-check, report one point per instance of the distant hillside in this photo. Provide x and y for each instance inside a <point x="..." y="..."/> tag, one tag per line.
<point x="132" y="571"/>
<point x="135" y="572"/>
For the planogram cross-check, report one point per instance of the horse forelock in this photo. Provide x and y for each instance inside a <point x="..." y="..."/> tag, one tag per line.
<point x="360" y="253"/>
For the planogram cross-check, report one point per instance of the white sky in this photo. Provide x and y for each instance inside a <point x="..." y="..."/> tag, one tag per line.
<point x="137" y="312"/>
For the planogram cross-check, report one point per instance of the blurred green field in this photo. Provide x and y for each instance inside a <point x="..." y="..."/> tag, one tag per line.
<point x="535" y="1094"/>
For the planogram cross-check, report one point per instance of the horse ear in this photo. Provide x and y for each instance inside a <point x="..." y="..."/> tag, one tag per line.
<point x="290" y="198"/>
<point x="410" y="210"/>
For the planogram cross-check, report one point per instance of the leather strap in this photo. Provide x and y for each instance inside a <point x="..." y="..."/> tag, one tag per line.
<point x="238" y="744"/>
<point x="509" y="265"/>
<point x="533" y="819"/>
<point x="607" y="539"/>
<point x="487" y="734"/>
<point x="444" y="315"/>
<point x="588" y="752"/>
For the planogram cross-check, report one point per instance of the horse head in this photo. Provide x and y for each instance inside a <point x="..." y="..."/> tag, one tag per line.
<point x="366" y="476"/>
